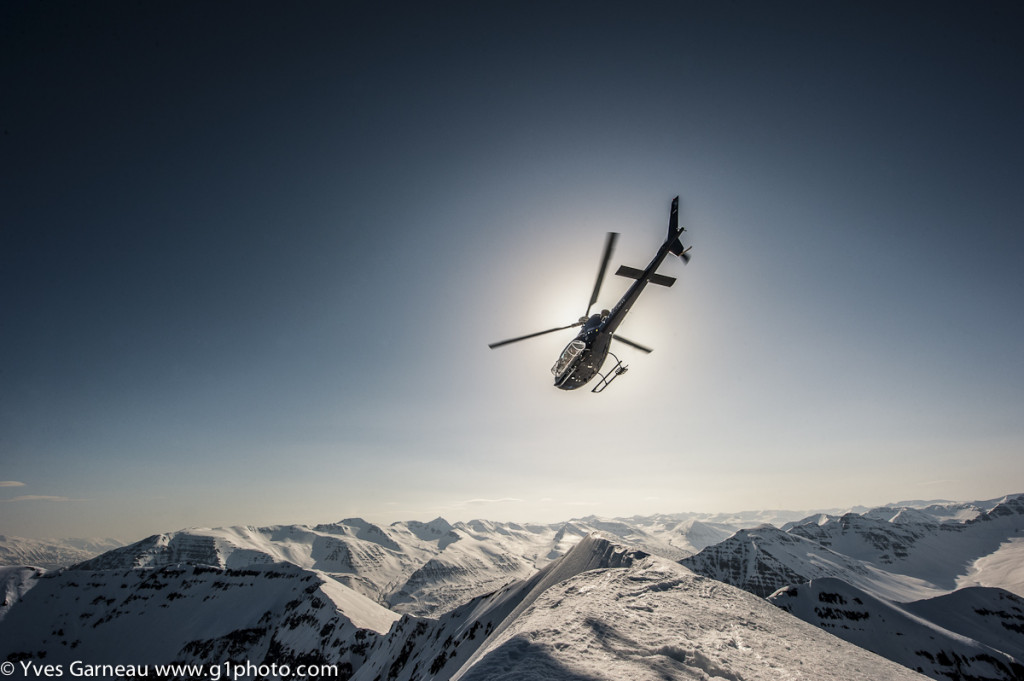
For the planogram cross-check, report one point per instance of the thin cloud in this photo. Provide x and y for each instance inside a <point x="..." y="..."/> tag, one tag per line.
<point x="504" y="500"/>
<point x="38" y="497"/>
<point x="11" y="483"/>
<point x="463" y="505"/>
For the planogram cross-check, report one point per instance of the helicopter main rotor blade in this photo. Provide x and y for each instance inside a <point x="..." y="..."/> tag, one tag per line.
<point x="609" y="246"/>
<point x="639" y="347"/>
<point x="532" y="335"/>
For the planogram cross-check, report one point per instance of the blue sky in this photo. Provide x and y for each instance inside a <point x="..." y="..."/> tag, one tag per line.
<point x="252" y="256"/>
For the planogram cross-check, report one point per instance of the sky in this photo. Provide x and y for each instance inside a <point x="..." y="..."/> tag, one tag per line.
<point x="252" y="255"/>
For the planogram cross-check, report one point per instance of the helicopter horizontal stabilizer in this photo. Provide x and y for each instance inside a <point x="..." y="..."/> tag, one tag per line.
<point x="634" y="273"/>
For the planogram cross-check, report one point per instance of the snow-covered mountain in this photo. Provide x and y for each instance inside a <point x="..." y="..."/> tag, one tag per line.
<point x="939" y="638"/>
<point x="50" y="553"/>
<point x="409" y="567"/>
<point x="603" y="611"/>
<point x="765" y="559"/>
<point x="190" y="614"/>
<point x="608" y="612"/>
<point x="589" y="598"/>
<point x="886" y="580"/>
<point x="985" y="614"/>
<point x="656" y="620"/>
<point x="669" y="536"/>
<point x="896" y="553"/>
<point x="919" y="543"/>
<point x="447" y="643"/>
<point x="15" y="583"/>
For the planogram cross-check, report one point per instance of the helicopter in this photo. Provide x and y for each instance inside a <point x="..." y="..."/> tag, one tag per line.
<point x="583" y="357"/>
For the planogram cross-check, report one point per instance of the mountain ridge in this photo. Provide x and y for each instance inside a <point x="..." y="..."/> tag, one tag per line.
<point x="415" y="600"/>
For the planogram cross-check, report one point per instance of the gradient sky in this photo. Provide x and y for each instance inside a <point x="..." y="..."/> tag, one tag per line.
<point x="252" y="255"/>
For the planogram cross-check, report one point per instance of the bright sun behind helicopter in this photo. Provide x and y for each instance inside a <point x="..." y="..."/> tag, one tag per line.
<point x="583" y="358"/>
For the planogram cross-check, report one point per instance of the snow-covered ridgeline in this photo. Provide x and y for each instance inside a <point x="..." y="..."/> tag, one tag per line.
<point x="410" y="567"/>
<point x="603" y="611"/>
<point x="481" y="580"/>
<point x="893" y="553"/>
<point x="608" y="612"/>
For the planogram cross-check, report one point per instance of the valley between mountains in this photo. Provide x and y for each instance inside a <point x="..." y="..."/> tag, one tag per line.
<point x="910" y="590"/>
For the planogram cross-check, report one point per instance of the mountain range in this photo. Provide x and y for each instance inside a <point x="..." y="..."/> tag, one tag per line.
<point x="51" y="553"/>
<point x="914" y="587"/>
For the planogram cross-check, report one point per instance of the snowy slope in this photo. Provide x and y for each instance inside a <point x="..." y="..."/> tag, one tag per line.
<point x="765" y="559"/>
<point x="486" y="557"/>
<point x="919" y="543"/>
<point x="14" y="584"/>
<point x="994" y="616"/>
<point x="190" y="613"/>
<point x="1002" y="568"/>
<point x="608" y="612"/>
<point x="893" y="568"/>
<point x="444" y="645"/>
<point x="901" y="634"/>
<point x="654" y="619"/>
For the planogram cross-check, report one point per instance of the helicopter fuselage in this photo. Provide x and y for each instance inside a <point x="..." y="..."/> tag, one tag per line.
<point x="583" y="357"/>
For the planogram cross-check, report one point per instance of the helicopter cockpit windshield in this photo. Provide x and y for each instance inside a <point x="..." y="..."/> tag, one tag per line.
<point x="571" y="352"/>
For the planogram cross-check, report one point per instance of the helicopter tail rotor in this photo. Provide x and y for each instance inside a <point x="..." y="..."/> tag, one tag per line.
<point x="683" y="253"/>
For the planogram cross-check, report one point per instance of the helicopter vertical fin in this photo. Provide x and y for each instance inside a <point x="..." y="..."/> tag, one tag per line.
<point x="674" y="230"/>
<point x="673" y="220"/>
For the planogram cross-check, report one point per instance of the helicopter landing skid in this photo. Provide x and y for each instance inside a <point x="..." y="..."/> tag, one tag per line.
<point x="613" y="373"/>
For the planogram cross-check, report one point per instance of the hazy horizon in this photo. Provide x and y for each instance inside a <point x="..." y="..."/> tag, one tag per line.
<point x="786" y="513"/>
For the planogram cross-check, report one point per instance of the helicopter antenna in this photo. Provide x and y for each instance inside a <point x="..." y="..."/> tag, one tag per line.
<point x="609" y="247"/>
